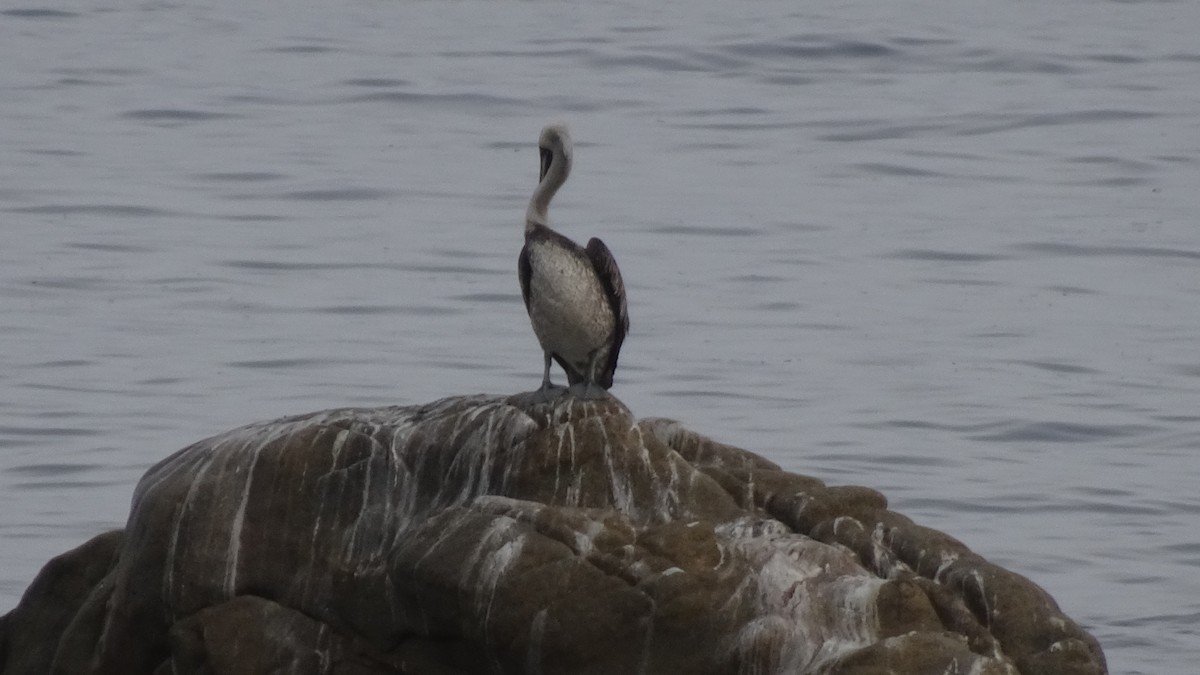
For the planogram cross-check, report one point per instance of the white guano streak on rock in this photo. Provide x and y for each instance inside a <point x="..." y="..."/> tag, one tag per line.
<point x="537" y="635"/>
<point x="335" y="452"/>
<point x="307" y="591"/>
<point x="647" y="642"/>
<point x="585" y="539"/>
<point x="518" y="424"/>
<point x="516" y="453"/>
<point x="405" y="482"/>
<point x="321" y="651"/>
<point x="558" y="467"/>
<point x="467" y="454"/>
<point x="489" y="457"/>
<point x="644" y="451"/>
<point x="677" y="483"/>
<point x="173" y="547"/>
<point x="351" y="549"/>
<point x="668" y="494"/>
<point x="498" y="548"/>
<point x="462" y="420"/>
<point x="850" y="600"/>
<point x="397" y="473"/>
<point x="947" y="559"/>
<point x="478" y="458"/>
<point x="779" y="584"/>
<point x="235" y="529"/>
<point x="665" y="430"/>
<point x="575" y="491"/>
<point x="182" y="462"/>
<point x="883" y="560"/>
<point x="622" y="493"/>
<point x="790" y="586"/>
<point x="431" y="451"/>
<point x="857" y="624"/>
<point x="988" y="612"/>
<point x="663" y="490"/>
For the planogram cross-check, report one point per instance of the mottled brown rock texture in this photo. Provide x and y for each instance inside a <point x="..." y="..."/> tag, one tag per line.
<point x="486" y="534"/>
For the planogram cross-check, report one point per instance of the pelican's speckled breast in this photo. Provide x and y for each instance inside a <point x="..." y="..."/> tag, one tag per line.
<point x="570" y="312"/>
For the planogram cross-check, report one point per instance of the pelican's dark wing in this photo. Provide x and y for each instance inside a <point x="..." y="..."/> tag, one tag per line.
<point x="524" y="272"/>
<point x="614" y="288"/>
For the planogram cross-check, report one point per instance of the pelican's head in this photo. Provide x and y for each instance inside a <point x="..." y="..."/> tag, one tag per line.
<point x="554" y="143"/>
<point x="554" y="148"/>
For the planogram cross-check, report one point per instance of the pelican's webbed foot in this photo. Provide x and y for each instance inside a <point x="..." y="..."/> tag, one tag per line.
<point x="546" y="393"/>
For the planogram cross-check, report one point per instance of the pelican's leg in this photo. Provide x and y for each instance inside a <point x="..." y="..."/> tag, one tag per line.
<point x="546" y="373"/>
<point x="547" y="391"/>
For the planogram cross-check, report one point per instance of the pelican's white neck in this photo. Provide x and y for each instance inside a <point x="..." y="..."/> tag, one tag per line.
<point x="555" y="155"/>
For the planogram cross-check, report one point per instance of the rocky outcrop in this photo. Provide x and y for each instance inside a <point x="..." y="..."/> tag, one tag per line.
<point x="491" y="535"/>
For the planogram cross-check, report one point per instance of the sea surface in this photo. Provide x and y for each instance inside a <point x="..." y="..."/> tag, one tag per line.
<point x="946" y="249"/>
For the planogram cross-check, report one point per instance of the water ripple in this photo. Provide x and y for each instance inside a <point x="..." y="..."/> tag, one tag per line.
<point x="1019" y="431"/>
<point x="943" y="256"/>
<point x="1186" y="553"/>
<point x="302" y="49"/>
<point x="376" y="82"/>
<point x="405" y="310"/>
<point x="1062" y="249"/>
<point x="172" y="115"/>
<point x="969" y="125"/>
<point x="240" y="176"/>
<point x="341" y="194"/>
<point x="46" y="470"/>
<point x="362" y="310"/>
<point x="68" y="484"/>
<point x="285" y="364"/>
<point x="936" y="505"/>
<point x="814" y="47"/>
<point x="885" y="169"/>
<point x="280" y="266"/>
<point x="502" y="298"/>
<point x="64" y="363"/>
<point x="705" y="231"/>
<point x="876" y="130"/>
<point x="110" y="248"/>
<point x="106" y="210"/>
<point x="1070" y="290"/>
<point x="652" y="62"/>
<point x="997" y="123"/>
<point x="1057" y="367"/>
<point x="48" y="431"/>
<point x="74" y="283"/>
<point x="38" y="13"/>
<point x="468" y="100"/>
<point x="1017" y="63"/>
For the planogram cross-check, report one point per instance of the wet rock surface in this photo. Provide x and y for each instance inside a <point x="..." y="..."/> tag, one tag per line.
<point x="501" y="535"/>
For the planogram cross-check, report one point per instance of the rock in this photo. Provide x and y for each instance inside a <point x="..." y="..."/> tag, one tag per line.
<point x="491" y="535"/>
<point x="29" y="634"/>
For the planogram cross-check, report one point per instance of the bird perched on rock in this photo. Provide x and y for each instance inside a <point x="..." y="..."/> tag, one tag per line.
<point x="574" y="295"/>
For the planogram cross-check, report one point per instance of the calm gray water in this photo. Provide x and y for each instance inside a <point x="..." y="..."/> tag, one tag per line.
<point x="946" y="249"/>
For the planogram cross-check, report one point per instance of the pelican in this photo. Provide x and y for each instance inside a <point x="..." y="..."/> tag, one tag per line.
<point x="574" y="295"/>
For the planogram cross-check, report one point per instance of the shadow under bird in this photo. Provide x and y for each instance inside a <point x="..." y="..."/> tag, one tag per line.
<point x="574" y="295"/>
